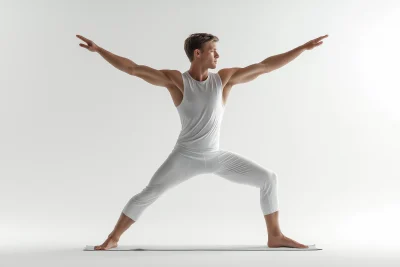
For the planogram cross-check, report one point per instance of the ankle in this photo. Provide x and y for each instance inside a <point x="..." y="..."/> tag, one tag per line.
<point x="113" y="237"/>
<point x="275" y="234"/>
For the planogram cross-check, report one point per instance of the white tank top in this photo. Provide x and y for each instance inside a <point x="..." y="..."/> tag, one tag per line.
<point x="201" y="111"/>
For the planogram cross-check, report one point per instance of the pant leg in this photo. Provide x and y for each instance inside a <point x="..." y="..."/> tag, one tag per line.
<point x="175" y="169"/>
<point x="239" y="169"/>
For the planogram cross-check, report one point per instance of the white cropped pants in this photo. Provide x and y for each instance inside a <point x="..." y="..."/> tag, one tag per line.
<point x="183" y="164"/>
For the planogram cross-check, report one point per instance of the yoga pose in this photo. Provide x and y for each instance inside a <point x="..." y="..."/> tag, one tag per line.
<point x="200" y="98"/>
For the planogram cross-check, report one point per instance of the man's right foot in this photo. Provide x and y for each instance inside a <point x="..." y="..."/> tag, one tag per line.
<point x="109" y="243"/>
<point x="283" y="241"/>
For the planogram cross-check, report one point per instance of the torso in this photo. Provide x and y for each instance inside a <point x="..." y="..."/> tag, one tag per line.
<point x="201" y="111"/>
<point x="176" y="89"/>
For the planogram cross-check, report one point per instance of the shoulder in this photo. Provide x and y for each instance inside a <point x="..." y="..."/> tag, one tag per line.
<point x="172" y="73"/>
<point x="225" y="74"/>
<point x="175" y="77"/>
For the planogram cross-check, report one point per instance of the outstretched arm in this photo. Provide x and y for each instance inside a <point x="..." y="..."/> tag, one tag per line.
<point x="120" y="63"/>
<point x="150" y="75"/>
<point x="233" y="76"/>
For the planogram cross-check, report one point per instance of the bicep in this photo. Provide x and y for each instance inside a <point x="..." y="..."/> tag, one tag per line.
<point x="153" y="76"/>
<point x="246" y="74"/>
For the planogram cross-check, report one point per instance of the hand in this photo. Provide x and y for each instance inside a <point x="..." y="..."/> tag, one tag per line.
<point x="313" y="43"/>
<point x="91" y="45"/>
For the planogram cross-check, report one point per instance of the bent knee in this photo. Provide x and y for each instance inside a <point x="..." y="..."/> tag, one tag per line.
<point x="270" y="178"/>
<point x="149" y="193"/>
<point x="154" y="190"/>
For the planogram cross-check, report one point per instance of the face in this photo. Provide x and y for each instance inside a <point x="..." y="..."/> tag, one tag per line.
<point x="210" y="55"/>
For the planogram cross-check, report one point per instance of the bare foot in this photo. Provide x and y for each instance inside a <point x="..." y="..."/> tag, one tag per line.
<point x="109" y="243"/>
<point x="283" y="241"/>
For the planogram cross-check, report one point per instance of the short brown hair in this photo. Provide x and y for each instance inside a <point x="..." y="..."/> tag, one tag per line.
<point x="196" y="41"/>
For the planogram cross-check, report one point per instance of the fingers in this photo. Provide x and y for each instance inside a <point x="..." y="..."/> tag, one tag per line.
<point x="85" y="46"/>
<point x="83" y="38"/>
<point x="90" y="43"/>
<point x="320" y="38"/>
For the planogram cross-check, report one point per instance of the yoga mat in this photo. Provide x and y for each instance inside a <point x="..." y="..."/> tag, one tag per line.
<point x="202" y="248"/>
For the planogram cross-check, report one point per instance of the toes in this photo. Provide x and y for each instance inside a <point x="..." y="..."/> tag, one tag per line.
<point x="299" y="245"/>
<point x="296" y="244"/>
<point x="287" y="242"/>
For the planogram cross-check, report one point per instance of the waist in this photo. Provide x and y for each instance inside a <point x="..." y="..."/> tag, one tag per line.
<point x="195" y="150"/>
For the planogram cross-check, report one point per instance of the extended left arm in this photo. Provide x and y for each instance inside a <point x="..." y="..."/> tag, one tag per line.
<point x="277" y="61"/>
<point x="249" y="73"/>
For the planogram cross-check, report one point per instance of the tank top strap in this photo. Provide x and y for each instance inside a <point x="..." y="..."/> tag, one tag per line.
<point x="218" y="81"/>
<point x="187" y="88"/>
<point x="187" y="82"/>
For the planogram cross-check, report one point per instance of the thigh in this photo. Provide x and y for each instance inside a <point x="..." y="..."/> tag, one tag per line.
<point x="239" y="169"/>
<point x="174" y="170"/>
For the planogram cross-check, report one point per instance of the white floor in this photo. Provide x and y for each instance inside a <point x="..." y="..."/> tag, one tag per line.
<point x="75" y="256"/>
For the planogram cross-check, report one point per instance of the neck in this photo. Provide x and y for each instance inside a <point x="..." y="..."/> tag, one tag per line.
<point x="198" y="73"/>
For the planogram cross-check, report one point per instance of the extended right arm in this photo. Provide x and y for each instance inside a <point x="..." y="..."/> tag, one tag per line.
<point x="121" y="63"/>
<point x="156" y="77"/>
<point x="150" y="75"/>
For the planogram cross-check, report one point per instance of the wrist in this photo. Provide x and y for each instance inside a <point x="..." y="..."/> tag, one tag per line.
<point x="301" y="48"/>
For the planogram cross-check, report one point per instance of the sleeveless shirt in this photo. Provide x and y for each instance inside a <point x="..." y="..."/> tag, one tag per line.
<point x="201" y="111"/>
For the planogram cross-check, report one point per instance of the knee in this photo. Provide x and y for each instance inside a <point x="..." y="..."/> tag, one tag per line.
<point x="153" y="191"/>
<point x="270" y="179"/>
<point x="147" y="196"/>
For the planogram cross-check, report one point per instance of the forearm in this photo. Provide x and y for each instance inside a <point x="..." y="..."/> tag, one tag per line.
<point x="277" y="61"/>
<point x="121" y="63"/>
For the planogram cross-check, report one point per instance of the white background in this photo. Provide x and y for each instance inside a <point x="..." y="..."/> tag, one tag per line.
<point x="79" y="138"/>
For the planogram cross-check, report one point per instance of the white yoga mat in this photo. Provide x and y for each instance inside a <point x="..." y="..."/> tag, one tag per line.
<point x="202" y="248"/>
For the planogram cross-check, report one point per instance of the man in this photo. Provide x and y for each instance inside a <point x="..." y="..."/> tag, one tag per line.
<point x="200" y="97"/>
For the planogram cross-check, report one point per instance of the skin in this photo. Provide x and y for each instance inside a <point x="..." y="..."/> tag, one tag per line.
<point x="172" y="80"/>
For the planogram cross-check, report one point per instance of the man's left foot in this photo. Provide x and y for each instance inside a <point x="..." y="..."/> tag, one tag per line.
<point x="109" y="243"/>
<point x="283" y="241"/>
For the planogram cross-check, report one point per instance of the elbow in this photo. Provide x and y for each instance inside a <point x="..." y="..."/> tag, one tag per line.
<point x="131" y="70"/>
<point x="268" y="67"/>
